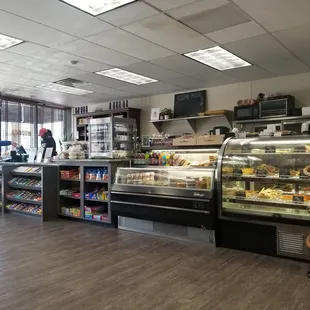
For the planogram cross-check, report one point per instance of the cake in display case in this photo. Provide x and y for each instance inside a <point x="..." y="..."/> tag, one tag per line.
<point x="266" y="177"/>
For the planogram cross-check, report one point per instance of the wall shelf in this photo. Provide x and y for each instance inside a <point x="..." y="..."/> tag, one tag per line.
<point x="191" y="120"/>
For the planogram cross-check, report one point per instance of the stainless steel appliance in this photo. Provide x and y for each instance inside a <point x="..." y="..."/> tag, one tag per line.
<point x="276" y="108"/>
<point x="244" y="112"/>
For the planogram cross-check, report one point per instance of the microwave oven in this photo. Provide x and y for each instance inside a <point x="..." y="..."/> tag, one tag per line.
<point x="244" y="112"/>
<point x="276" y="108"/>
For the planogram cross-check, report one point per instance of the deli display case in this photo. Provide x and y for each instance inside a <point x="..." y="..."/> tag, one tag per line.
<point x="112" y="137"/>
<point x="264" y="186"/>
<point x="180" y="192"/>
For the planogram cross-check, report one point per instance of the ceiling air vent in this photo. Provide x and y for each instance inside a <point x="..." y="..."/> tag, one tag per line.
<point x="290" y="243"/>
<point x="72" y="82"/>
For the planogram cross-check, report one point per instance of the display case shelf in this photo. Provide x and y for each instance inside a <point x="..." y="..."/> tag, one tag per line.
<point x="26" y="213"/>
<point x="70" y="197"/>
<point x="33" y="188"/>
<point x="31" y="202"/>
<point x="268" y="179"/>
<point x="95" y="181"/>
<point x="70" y="180"/>
<point x="96" y="200"/>
<point x="26" y="174"/>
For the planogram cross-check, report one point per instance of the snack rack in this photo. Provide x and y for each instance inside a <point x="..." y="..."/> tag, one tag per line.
<point x="30" y="190"/>
<point x="264" y="195"/>
<point x="84" y="189"/>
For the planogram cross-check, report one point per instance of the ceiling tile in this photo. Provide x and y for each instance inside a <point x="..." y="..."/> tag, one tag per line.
<point x="58" y="15"/>
<point x="5" y="56"/>
<point x="249" y="73"/>
<point x="187" y="82"/>
<point x="236" y="33"/>
<point x="219" y="18"/>
<point x="129" y="44"/>
<point x="163" y="88"/>
<point x="105" y="90"/>
<point x="54" y="56"/>
<point x="128" y="14"/>
<point x="258" y="49"/>
<point x="296" y="39"/>
<point x="24" y="29"/>
<point x="195" y="8"/>
<point x="165" y="5"/>
<point x="280" y="67"/>
<point x="216" y="78"/>
<point x="277" y="14"/>
<point x="97" y="53"/>
<point x="182" y="64"/>
<point x="169" y="33"/>
<point x="45" y="67"/>
<point x="152" y="71"/>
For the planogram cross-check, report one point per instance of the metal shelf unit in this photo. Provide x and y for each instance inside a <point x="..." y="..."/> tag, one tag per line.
<point x="48" y="190"/>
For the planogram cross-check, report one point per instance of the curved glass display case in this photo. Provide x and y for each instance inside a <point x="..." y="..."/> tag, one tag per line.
<point x="265" y="177"/>
<point x="175" y="181"/>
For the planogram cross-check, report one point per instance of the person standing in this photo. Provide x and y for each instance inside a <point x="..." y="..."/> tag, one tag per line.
<point x="47" y="140"/>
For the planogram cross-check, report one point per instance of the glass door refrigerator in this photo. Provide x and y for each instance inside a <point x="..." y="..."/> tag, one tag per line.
<point x="112" y="137"/>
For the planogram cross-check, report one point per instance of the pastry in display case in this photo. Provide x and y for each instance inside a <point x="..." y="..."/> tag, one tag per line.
<point x="112" y="137"/>
<point x="265" y="177"/>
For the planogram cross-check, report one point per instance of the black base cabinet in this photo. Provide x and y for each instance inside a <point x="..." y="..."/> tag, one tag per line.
<point x="166" y="210"/>
<point x="261" y="239"/>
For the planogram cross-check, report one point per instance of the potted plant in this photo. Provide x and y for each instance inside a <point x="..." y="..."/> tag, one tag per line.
<point x="167" y="113"/>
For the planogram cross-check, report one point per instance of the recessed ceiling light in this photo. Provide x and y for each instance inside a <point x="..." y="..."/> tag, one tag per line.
<point x="96" y="7"/>
<point x="6" y="42"/>
<point x="218" y="58"/>
<point x="126" y="76"/>
<point x="65" y="89"/>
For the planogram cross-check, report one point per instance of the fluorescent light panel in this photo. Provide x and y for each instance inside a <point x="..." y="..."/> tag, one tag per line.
<point x="96" y="7"/>
<point x="6" y="42"/>
<point x="65" y="89"/>
<point x="126" y="76"/>
<point x="218" y="58"/>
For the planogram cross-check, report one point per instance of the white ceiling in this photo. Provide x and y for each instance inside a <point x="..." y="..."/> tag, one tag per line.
<point x="148" y="37"/>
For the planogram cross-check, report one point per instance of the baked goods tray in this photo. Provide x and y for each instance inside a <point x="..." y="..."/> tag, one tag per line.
<point x="269" y="202"/>
<point x="267" y="179"/>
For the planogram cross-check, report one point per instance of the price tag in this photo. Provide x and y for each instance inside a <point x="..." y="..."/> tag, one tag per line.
<point x="284" y="172"/>
<point x="297" y="198"/>
<point x="270" y="149"/>
<point x="240" y="194"/>
<point x="278" y="134"/>
<point x="261" y="173"/>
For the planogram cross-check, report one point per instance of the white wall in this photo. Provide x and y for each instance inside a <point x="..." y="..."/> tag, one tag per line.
<point x="222" y="97"/>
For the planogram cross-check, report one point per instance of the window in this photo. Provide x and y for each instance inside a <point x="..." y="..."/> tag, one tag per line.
<point x="52" y="119"/>
<point x="17" y="124"/>
<point x="19" y="121"/>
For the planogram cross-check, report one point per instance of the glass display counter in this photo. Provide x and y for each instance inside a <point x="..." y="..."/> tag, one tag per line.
<point x="267" y="177"/>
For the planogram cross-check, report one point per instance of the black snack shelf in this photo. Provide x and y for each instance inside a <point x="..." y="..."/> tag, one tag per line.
<point x="32" y="202"/>
<point x="28" y="174"/>
<point x="70" y="197"/>
<point x="26" y="213"/>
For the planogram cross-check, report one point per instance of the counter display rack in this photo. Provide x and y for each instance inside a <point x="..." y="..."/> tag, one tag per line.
<point x="84" y="189"/>
<point x="178" y="188"/>
<point x="264" y="185"/>
<point x="30" y="190"/>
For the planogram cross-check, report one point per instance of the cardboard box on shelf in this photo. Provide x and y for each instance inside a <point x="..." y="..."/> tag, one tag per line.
<point x="185" y="140"/>
<point x="210" y="139"/>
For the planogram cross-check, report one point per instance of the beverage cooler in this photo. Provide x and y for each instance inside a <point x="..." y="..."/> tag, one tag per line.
<point x="112" y="137"/>
<point x="182" y="193"/>
<point x="264" y="195"/>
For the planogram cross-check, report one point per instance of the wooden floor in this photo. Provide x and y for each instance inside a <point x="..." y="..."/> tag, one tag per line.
<point x="66" y="265"/>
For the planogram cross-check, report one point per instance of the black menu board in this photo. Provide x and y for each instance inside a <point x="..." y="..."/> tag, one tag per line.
<point x="189" y="104"/>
